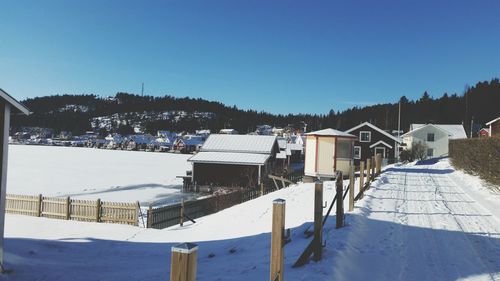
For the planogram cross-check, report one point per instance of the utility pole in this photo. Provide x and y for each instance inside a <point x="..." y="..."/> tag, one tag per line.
<point x="142" y="89"/>
<point x="471" y="125"/>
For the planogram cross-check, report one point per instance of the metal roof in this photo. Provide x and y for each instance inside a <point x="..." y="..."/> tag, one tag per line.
<point x="331" y="133"/>
<point x="17" y="105"/>
<point x="239" y="143"/>
<point x="230" y="158"/>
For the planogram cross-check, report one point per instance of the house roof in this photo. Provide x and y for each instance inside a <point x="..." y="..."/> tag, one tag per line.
<point x="17" y="105"/>
<point x="229" y="158"/>
<point x="493" y="121"/>
<point x="376" y="129"/>
<point x="331" y="133"/>
<point x="240" y="143"/>
<point x="454" y="131"/>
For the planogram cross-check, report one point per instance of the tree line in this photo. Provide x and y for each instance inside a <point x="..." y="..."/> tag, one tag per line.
<point x="477" y="105"/>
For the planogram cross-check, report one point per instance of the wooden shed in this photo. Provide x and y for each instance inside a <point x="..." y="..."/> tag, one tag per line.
<point x="328" y="151"/>
<point x="8" y="104"/>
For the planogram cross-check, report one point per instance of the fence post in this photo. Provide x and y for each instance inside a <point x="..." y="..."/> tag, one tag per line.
<point x="318" y="220"/>
<point x="351" y="188"/>
<point x="183" y="262"/>
<point x="379" y="163"/>
<point x="138" y="213"/>
<point x="98" y="210"/>
<point x="373" y="168"/>
<point x="68" y="208"/>
<point x="368" y="170"/>
<point x="149" y="217"/>
<point x="181" y="219"/>
<point x="340" y="201"/>
<point x="39" y="211"/>
<point x="277" y="240"/>
<point x="361" y="177"/>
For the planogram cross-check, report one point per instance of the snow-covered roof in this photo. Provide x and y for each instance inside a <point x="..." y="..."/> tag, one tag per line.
<point x="281" y="155"/>
<point x="330" y="132"/>
<point x="281" y="143"/>
<point x="455" y="131"/>
<point x="295" y="146"/>
<point x="239" y="143"/>
<point x="493" y="121"/>
<point x="381" y="142"/>
<point x="229" y="158"/>
<point x="376" y="129"/>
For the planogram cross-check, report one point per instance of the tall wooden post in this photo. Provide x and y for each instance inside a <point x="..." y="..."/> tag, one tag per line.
<point x="379" y="163"/>
<point x="149" y="217"/>
<point x="277" y="240"/>
<point x="340" y="201"/>
<point x="361" y="177"/>
<point x="39" y="205"/>
<point x="261" y="189"/>
<point x="183" y="262"/>
<point x="373" y="168"/>
<point x="68" y="208"/>
<point x="318" y="218"/>
<point x="351" y="188"/>
<point x="98" y="210"/>
<point x="368" y="170"/>
<point x="181" y="217"/>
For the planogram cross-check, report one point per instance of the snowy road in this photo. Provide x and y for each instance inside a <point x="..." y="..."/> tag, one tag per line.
<point x="419" y="223"/>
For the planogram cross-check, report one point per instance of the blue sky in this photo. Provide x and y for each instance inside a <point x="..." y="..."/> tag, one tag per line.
<point x="277" y="56"/>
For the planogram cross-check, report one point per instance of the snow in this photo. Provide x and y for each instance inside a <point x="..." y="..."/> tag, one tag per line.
<point x="416" y="222"/>
<point x="89" y="173"/>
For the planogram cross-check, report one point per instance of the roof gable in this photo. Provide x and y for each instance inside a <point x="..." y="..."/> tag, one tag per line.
<point x="493" y="121"/>
<point x="240" y="143"/>
<point x="374" y="128"/>
<point x="330" y="133"/>
<point x="17" y="105"/>
<point x="454" y="131"/>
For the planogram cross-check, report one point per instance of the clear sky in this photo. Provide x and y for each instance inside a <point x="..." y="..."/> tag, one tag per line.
<point x="278" y="56"/>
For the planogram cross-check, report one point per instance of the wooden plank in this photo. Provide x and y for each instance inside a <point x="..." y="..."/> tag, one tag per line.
<point x="351" y="188"/>
<point x="277" y="241"/>
<point x="318" y="216"/>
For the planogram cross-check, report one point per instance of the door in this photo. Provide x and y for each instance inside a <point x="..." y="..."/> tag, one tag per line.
<point x="380" y="150"/>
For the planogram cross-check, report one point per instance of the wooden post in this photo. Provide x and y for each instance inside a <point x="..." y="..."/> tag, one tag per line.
<point x="98" y="210"/>
<point x="149" y="217"/>
<point x="368" y="171"/>
<point x="351" y="188"/>
<point x="138" y="213"/>
<point x="340" y="201"/>
<point x="318" y="220"/>
<point x="379" y="163"/>
<point x="361" y="177"/>
<point x="183" y="262"/>
<point x="181" y="219"/>
<point x="373" y="168"/>
<point x="277" y="240"/>
<point x="261" y="189"/>
<point x="39" y="213"/>
<point x="68" y="208"/>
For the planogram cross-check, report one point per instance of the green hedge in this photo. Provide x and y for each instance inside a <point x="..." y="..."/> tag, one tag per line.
<point x="480" y="156"/>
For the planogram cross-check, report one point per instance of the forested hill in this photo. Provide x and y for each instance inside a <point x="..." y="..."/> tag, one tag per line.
<point x="79" y="113"/>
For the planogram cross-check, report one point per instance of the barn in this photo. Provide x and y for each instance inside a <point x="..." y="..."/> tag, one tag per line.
<point x="234" y="160"/>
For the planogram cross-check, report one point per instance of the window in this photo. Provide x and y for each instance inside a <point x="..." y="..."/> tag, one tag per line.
<point x="357" y="152"/>
<point x="344" y="148"/>
<point x="365" y="136"/>
<point x="430" y="136"/>
<point x="430" y="152"/>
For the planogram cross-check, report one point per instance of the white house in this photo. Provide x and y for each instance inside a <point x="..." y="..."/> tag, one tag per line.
<point x="434" y="136"/>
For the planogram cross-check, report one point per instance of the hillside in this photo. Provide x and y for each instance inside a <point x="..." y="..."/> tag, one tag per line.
<point x="79" y="113"/>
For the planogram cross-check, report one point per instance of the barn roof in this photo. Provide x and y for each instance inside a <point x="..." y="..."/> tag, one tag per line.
<point x="331" y="133"/>
<point x="17" y="105"/>
<point x="239" y="143"/>
<point x="229" y="158"/>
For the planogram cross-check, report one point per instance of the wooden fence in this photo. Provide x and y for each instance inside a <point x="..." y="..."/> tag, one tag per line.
<point x="73" y="209"/>
<point x="170" y="215"/>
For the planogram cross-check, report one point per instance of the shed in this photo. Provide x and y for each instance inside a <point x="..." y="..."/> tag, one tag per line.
<point x="8" y="104"/>
<point x="328" y="151"/>
<point x="234" y="160"/>
<point x="494" y="127"/>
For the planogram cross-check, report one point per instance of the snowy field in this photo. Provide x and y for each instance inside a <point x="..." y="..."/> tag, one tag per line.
<point x="88" y="173"/>
<point x="417" y="222"/>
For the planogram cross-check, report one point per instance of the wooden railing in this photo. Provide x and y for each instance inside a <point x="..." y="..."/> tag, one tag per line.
<point x="73" y="209"/>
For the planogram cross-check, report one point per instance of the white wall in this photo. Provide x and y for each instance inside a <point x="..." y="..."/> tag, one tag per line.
<point x="440" y="143"/>
<point x="310" y="156"/>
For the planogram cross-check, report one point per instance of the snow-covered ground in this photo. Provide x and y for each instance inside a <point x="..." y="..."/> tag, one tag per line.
<point x="88" y="173"/>
<point x="415" y="223"/>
